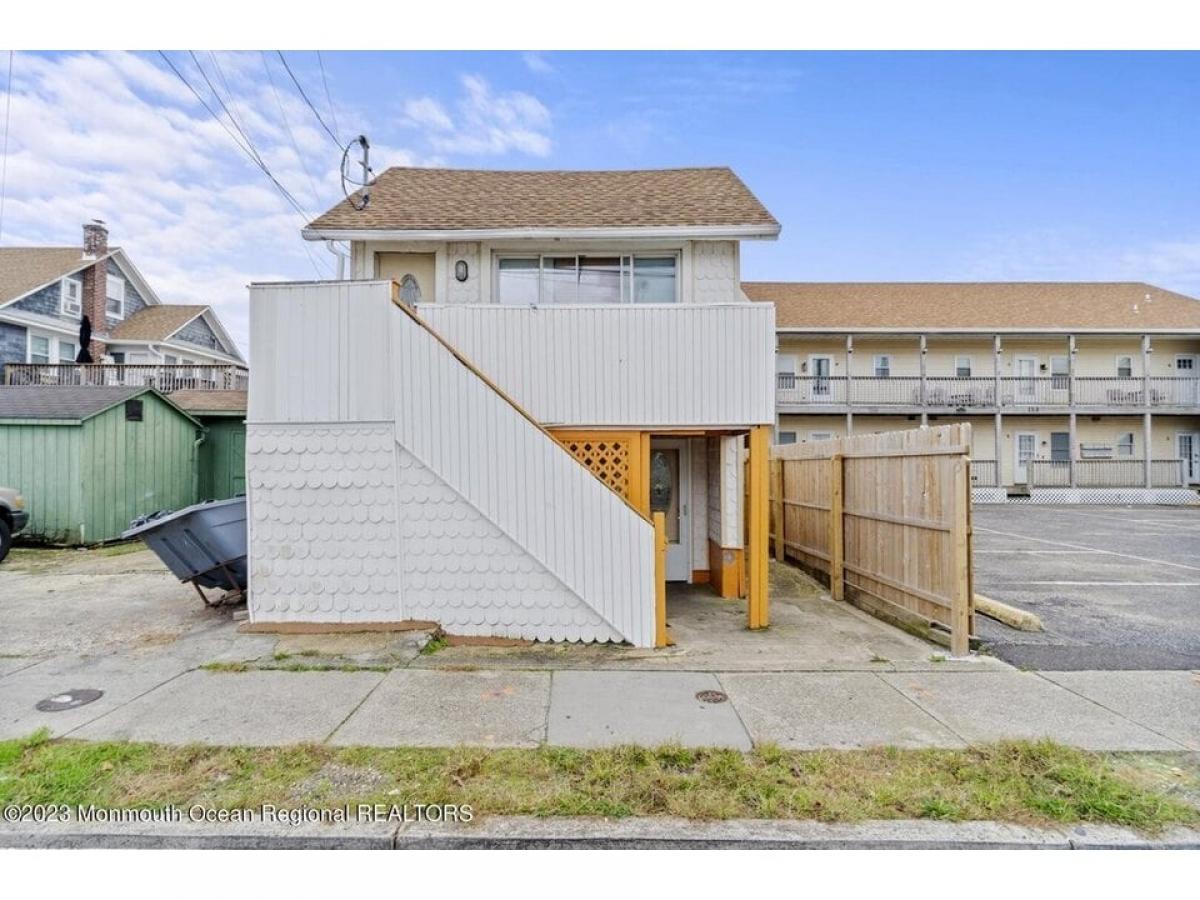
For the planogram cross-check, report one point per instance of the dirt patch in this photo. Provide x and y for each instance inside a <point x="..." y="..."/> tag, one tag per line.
<point x="334" y="780"/>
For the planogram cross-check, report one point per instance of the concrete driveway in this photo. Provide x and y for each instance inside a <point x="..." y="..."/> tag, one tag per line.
<point x="1116" y="587"/>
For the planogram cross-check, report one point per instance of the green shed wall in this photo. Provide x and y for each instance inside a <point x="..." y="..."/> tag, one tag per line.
<point x="223" y="458"/>
<point x="132" y="468"/>
<point x="42" y="462"/>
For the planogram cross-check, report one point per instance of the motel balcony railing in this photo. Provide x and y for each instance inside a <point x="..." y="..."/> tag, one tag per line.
<point x="1106" y="473"/>
<point x="165" y="379"/>
<point x="983" y="473"/>
<point x="987" y="392"/>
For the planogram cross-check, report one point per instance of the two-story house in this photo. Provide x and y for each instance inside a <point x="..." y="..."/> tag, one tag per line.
<point x="1066" y="385"/>
<point x="566" y="355"/>
<point x="46" y="291"/>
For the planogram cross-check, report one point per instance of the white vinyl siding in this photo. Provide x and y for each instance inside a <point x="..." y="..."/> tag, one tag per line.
<point x="687" y="365"/>
<point x="523" y="280"/>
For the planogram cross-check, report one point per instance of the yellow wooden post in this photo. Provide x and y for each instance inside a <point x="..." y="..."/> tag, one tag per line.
<point x="758" y="515"/>
<point x="779" y="530"/>
<point x="960" y="608"/>
<point x="660" y="579"/>
<point x="837" y="527"/>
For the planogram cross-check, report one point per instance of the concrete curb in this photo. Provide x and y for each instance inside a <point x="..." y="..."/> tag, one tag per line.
<point x="519" y="832"/>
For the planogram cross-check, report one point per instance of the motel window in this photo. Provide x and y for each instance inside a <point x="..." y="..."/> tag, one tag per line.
<point x="962" y="366"/>
<point x="816" y="436"/>
<point x="586" y="279"/>
<point x="786" y="437"/>
<point x="883" y="367"/>
<point x="39" y="349"/>
<point x="1060" y="373"/>
<point x="1060" y="446"/>
<point x="72" y="296"/>
<point x="115" y="301"/>
<point x="1124" y="366"/>
<point x="1125" y="444"/>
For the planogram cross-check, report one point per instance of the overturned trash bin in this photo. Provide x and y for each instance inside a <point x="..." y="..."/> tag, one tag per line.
<point x="204" y="544"/>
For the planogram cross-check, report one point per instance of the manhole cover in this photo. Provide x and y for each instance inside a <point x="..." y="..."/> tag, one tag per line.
<point x="712" y="697"/>
<point x="69" y="699"/>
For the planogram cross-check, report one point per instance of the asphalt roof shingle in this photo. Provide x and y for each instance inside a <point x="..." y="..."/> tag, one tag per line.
<point x="1128" y="306"/>
<point x="155" y="323"/>
<point x="415" y="199"/>
<point x="210" y="401"/>
<point x="22" y="269"/>
<point x="58" y="402"/>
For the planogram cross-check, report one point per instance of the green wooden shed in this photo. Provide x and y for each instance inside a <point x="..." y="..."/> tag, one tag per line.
<point x="223" y="453"/>
<point x="90" y="459"/>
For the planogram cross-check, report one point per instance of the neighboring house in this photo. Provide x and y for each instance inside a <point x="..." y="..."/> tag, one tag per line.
<point x="566" y="354"/>
<point x="223" y="453"/>
<point x="90" y="459"/>
<point x="1066" y="385"/>
<point x="44" y="292"/>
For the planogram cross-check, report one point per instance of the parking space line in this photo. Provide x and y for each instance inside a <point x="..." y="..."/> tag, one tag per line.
<point x="1106" y="583"/>
<point x="1158" y="562"/>
<point x="1040" y="552"/>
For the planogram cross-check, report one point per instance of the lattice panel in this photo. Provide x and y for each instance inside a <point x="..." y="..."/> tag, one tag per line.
<point x="608" y="458"/>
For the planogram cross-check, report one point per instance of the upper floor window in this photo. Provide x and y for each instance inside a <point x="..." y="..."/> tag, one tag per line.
<point x="71" y="302"/>
<point x="115" y="299"/>
<point x="962" y="366"/>
<point x="587" y="279"/>
<point x="1124" y="366"/>
<point x="66" y="352"/>
<point x="1060" y="373"/>
<point x="883" y="367"/>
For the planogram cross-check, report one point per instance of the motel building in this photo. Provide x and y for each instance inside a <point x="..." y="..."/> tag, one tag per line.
<point x="1076" y="392"/>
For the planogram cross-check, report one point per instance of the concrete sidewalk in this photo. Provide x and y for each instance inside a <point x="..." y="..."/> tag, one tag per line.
<point x="526" y="833"/>
<point x="157" y="697"/>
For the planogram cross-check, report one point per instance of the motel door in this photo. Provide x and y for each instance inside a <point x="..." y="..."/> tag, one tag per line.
<point x="1187" y="447"/>
<point x="1025" y="447"/>
<point x="821" y="367"/>
<point x="670" y="493"/>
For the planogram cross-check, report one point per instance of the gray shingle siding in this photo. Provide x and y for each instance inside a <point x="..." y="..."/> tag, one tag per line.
<point x="46" y="302"/>
<point x="198" y="333"/>
<point x="12" y="344"/>
<point x="133" y="300"/>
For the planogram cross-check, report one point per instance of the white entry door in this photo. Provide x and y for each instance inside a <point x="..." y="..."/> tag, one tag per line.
<point x="1187" y="448"/>
<point x="1186" y="372"/>
<point x="1024" y="449"/>
<point x="671" y="493"/>
<point x="1026" y="371"/>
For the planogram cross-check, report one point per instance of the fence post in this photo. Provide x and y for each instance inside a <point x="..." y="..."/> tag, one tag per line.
<point x="777" y="508"/>
<point x="837" y="528"/>
<point x="660" y="579"/>
<point x="960" y="610"/>
<point x="757" y="553"/>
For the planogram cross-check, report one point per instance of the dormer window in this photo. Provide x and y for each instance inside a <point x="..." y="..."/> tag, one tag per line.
<point x="114" y="303"/>
<point x="71" y="297"/>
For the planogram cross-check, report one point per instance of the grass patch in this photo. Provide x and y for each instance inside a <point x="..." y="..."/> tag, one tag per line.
<point x="287" y="663"/>
<point x="1032" y="783"/>
<point x="434" y="644"/>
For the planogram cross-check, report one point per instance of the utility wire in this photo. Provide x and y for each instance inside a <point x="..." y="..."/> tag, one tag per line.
<point x="300" y="88"/>
<point x="253" y="155"/>
<point x="4" y="153"/>
<point x="328" y="97"/>
<point x="287" y="125"/>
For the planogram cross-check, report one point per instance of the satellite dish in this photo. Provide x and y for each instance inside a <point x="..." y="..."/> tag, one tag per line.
<point x="364" y="163"/>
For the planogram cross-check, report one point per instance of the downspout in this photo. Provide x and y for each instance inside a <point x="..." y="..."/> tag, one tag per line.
<point x="342" y="259"/>
<point x="196" y="464"/>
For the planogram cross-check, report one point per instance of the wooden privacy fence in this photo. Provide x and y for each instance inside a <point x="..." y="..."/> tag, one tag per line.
<point x="885" y="520"/>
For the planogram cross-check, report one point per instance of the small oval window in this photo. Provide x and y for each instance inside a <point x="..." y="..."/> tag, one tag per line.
<point x="410" y="291"/>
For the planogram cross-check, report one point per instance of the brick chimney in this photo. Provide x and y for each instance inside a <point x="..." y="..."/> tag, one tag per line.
<point x="95" y="285"/>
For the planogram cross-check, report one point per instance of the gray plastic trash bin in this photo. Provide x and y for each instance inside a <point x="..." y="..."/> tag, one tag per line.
<point x="204" y="544"/>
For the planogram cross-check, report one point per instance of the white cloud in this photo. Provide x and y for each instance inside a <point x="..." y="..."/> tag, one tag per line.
<point x="537" y="63"/>
<point x="484" y="123"/>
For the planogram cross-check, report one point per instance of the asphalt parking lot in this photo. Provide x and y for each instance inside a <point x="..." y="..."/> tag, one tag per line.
<point x="1115" y="587"/>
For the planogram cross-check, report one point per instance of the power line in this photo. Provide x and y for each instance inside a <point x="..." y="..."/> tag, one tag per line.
<point x="300" y="88"/>
<point x="287" y="125"/>
<point x="253" y="155"/>
<point x="4" y="153"/>
<point x="328" y="97"/>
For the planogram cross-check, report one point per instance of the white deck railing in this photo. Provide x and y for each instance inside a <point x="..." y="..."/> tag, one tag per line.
<point x="1107" y="473"/>
<point x="164" y="378"/>
<point x="966" y="393"/>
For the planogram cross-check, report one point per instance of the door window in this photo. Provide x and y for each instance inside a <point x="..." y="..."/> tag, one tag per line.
<point x="664" y="488"/>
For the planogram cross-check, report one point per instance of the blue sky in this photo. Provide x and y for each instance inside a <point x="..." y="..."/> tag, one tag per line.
<point x="881" y="166"/>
